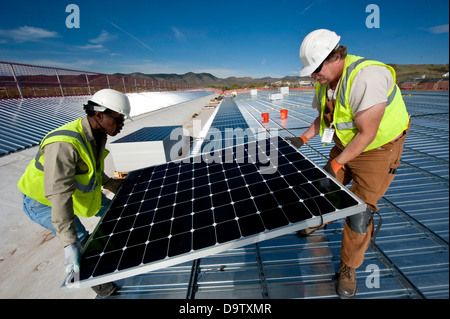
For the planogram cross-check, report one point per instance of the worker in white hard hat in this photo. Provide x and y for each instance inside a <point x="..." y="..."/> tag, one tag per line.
<point x="65" y="178"/>
<point x="362" y="111"/>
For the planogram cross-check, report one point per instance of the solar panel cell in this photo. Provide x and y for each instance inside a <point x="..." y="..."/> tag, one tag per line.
<point x="297" y="212"/>
<point x="131" y="257"/>
<point x="182" y="209"/>
<point x="245" y="207"/>
<point x="251" y="225"/>
<point x="156" y="250"/>
<point x="224" y="213"/>
<point x="204" y="237"/>
<point x="180" y="244"/>
<point x="108" y="263"/>
<point x="274" y="218"/>
<point x="228" y="231"/>
<point x="182" y="224"/>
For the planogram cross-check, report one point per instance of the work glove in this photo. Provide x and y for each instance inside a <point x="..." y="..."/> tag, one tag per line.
<point x="332" y="167"/>
<point x="72" y="258"/>
<point x="297" y="141"/>
<point x="113" y="184"/>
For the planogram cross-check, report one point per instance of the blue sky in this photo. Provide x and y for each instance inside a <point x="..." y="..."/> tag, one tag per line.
<point x="225" y="38"/>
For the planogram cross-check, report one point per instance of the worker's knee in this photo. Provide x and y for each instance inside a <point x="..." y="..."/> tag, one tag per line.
<point x="360" y="222"/>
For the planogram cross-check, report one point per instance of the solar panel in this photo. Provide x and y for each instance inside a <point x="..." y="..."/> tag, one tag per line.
<point x="188" y="209"/>
<point x="228" y="128"/>
<point x="148" y="134"/>
<point x="22" y="125"/>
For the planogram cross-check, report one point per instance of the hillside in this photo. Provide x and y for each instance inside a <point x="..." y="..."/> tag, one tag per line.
<point x="207" y="79"/>
<point x="411" y="71"/>
<point x="404" y="72"/>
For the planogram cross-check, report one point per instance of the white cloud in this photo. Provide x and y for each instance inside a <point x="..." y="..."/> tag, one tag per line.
<point x="103" y="37"/>
<point x="26" y="33"/>
<point x="97" y="43"/>
<point x="178" y="34"/>
<point x="91" y="47"/>
<point x="439" y="29"/>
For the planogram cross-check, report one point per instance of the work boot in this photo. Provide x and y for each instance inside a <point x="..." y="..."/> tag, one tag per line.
<point x="105" y="290"/>
<point x="346" y="285"/>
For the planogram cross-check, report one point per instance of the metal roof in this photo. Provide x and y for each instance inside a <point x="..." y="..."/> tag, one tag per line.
<point x="408" y="260"/>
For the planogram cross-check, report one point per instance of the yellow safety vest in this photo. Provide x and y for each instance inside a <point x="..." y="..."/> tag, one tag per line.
<point x="394" y="121"/>
<point x="87" y="195"/>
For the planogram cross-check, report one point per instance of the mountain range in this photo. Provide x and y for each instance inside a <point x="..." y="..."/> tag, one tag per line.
<point x="404" y="72"/>
<point x="207" y="79"/>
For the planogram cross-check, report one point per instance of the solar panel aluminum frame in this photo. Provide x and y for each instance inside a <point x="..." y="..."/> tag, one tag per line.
<point x="72" y="280"/>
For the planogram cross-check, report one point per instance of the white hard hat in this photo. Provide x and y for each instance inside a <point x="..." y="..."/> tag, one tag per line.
<point x="315" y="48"/>
<point x="113" y="100"/>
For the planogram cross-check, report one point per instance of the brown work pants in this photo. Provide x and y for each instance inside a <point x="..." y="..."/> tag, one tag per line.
<point x="372" y="172"/>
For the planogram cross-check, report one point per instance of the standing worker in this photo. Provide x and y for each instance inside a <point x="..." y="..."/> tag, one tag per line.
<point x="362" y="110"/>
<point x="65" y="178"/>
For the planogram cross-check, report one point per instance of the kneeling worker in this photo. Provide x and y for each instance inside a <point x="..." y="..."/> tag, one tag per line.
<point x="65" y="178"/>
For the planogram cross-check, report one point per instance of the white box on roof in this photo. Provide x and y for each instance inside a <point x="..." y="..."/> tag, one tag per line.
<point x="146" y="147"/>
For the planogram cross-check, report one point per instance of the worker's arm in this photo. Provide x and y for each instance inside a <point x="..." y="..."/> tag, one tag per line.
<point x="59" y="184"/>
<point x="367" y="122"/>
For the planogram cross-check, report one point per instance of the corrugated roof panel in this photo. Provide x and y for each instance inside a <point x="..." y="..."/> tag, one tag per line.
<point x="26" y="122"/>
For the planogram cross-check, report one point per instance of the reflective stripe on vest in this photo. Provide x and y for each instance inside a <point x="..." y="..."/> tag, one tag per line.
<point x="83" y="188"/>
<point x="352" y="124"/>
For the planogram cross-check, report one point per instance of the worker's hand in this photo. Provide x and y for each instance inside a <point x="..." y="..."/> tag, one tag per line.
<point x="72" y="258"/>
<point x="332" y="167"/>
<point x="297" y="141"/>
<point x="113" y="184"/>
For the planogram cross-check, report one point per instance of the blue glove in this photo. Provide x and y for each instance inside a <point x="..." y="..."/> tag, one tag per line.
<point x="72" y="258"/>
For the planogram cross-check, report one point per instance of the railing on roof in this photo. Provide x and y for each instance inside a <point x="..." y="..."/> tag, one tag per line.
<point x="26" y="81"/>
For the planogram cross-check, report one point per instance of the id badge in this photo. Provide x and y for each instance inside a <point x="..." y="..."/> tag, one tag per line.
<point x="327" y="136"/>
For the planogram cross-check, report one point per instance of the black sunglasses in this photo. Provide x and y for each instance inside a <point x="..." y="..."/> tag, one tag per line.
<point x="319" y="68"/>
<point x="118" y="119"/>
